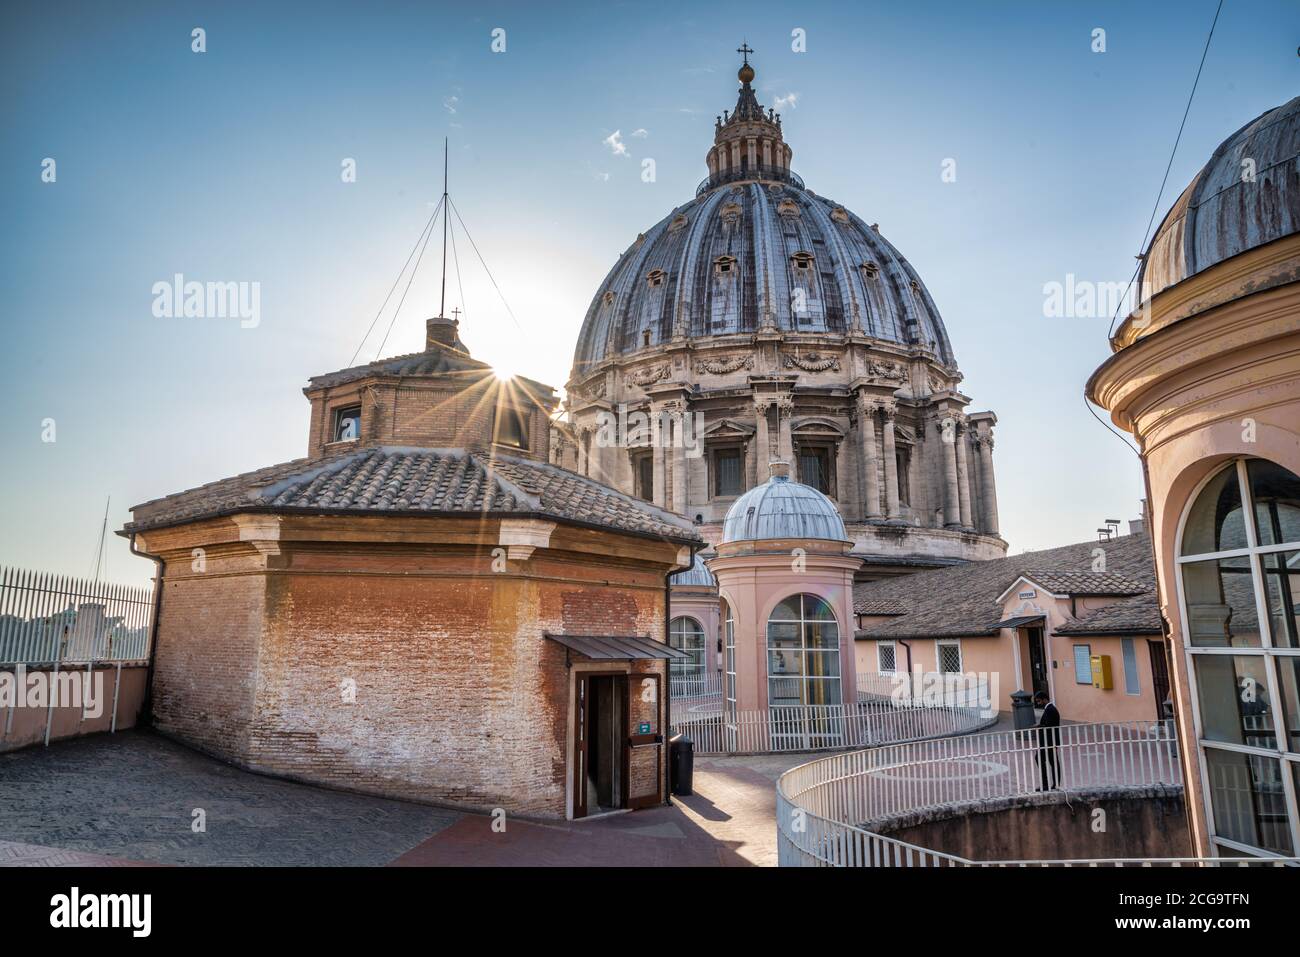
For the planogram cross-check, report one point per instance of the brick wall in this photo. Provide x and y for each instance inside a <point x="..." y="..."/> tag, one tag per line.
<point x="458" y="696"/>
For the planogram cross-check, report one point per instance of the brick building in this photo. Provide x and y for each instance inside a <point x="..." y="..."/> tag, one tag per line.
<point x="423" y="607"/>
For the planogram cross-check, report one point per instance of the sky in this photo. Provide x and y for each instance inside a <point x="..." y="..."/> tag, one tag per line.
<point x="227" y="166"/>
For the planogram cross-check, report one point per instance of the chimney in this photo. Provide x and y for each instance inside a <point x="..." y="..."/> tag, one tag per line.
<point x="780" y="470"/>
<point x="441" y="331"/>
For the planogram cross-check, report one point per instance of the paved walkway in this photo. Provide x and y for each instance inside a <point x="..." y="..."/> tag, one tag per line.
<point x="130" y="798"/>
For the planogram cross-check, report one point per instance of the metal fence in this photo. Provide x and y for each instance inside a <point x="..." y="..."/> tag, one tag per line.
<point x="48" y="619"/>
<point x="885" y="712"/>
<point x="826" y="809"/>
<point x="697" y="685"/>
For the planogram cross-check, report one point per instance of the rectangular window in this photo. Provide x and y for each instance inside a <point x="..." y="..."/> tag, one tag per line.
<point x="726" y="472"/>
<point x="645" y="477"/>
<point x="1083" y="664"/>
<point x="347" y="424"/>
<point x="814" y="469"/>
<point x="949" y="657"/>
<point x="885" y="655"/>
<point x="1131" y="683"/>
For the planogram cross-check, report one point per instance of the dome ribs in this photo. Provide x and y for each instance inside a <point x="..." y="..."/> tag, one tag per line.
<point x="856" y="279"/>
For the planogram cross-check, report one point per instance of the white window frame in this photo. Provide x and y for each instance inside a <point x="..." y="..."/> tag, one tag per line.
<point x="1127" y="645"/>
<point x="1074" y="662"/>
<point x="880" y="665"/>
<point x="1287" y="761"/>
<point x="938" y="656"/>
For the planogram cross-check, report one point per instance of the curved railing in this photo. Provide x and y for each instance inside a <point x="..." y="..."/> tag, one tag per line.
<point x="827" y="809"/>
<point x="778" y="174"/>
<point x="885" y="712"/>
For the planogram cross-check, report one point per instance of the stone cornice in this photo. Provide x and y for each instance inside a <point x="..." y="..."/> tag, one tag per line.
<point x="1189" y="355"/>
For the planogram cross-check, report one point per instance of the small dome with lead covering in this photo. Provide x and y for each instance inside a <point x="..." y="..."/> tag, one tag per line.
<point x="782" y="509"/>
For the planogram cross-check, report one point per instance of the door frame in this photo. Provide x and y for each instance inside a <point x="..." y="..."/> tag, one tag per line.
<point x="580" y="754"/>
<point x="630" y="740"/>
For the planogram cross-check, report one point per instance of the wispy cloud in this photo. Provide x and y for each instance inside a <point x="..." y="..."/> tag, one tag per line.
<point x="450" y="103"/>
<point x="640" y="133"/>
<point x="615" y="143"/>
<point x="787" y="102"/>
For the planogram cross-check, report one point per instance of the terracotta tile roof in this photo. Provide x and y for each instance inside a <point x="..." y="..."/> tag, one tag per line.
<point x="866" y="605"/>
<point x="388" y="479"/>
<point x="962" y="601"/>
<point x="453" y="366"/>
<point x="1065" y="582"/>
<point x="1139" y="615"/>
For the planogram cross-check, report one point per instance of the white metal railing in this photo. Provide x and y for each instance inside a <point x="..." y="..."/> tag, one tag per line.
<point x="827" y="809"/>
<point x="883" y="714"/>
<point x="700" y="685"/>
<point x="48" y="619"/>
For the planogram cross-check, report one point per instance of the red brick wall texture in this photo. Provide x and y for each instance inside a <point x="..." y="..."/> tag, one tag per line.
<point x="459" y="699"/>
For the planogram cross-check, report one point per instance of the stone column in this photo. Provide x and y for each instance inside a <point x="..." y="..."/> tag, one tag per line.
<point x="870" y="456"/>
<point x="963" y="475"/>
<point x="984" y="442"/>
<point x="947" y="427"/>
<point x="582" y="435"/>
<point x="762" y="444"/>
<point x="679" y="464"/>
<point x="891" y="462"/>
<point x="785" y="441"/>
<point x="657" y="442"/>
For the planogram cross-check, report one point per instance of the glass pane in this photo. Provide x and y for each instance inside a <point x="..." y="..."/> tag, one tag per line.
<point x="823" y="635"/>
<point x="783" y="635"/>
<point x="782" y="692"/>
<point x="788" y="610"/>
<point x="811" y="471"/>
<point x="1233" y="694"/>
<point x="1221" y="604"/>
<point x="825" y="664"/>
<point x="1248" y="801"/>
<point x="1276" y="494"/>
<point x="817" y="610"/>
<point x="824" y="692"/>
<point x="1215" y="523"/>
<point x="728" y="466"/>
<point x="885" y="654"/>
<point x="784" y="663"/>
<point x="1282" y="593"/>
<point x="1288" y="672"/>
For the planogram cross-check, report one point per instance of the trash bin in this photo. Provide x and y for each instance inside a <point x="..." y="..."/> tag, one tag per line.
<point x="681" y="763"/>
<point x="1022" y="710"/>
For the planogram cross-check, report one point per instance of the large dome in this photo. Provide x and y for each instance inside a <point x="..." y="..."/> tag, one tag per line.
<point x="1248" y="194"/>
<point x="731" y="260"/>
<point x="783" y="509"/>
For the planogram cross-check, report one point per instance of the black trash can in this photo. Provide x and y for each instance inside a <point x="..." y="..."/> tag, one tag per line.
<point x="1022" y="710"/>
<point x="681" y="763"/>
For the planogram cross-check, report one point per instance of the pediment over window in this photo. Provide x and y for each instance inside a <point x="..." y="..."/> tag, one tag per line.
<point x="816" y="425"/>
<point x="727" y="429"/>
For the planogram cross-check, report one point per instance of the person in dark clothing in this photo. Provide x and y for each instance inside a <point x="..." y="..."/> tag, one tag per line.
<point x="1048" y="733"/>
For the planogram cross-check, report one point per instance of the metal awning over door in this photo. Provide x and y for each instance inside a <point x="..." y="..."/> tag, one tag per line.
<point x="617" y="648"/>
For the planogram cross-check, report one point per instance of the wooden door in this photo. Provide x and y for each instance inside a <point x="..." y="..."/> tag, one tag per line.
<point x="643" y="757"/>
<point x="1037" y="661"/>
<point x="1160" y="678"/>
<point x="581" y="701"/>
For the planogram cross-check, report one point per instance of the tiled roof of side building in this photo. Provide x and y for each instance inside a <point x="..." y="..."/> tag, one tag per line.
<point x="455" y="366"/>
<point x="1138" y="615"/>
<point x="962" y="601"/>
<point x="387" y="479"/>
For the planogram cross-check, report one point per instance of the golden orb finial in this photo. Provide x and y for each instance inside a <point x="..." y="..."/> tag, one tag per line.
<point x="746" y="72"/>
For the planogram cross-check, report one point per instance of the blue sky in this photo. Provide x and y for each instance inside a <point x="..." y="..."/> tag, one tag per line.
<point x="225" y="166"/>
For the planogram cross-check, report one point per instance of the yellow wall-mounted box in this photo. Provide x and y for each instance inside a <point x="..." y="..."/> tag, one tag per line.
<point x="1101" y="672"/>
